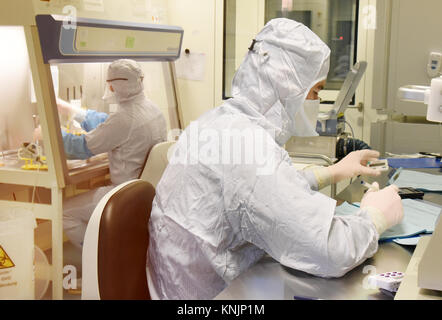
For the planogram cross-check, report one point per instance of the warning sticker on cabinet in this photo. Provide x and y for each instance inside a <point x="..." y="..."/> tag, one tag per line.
<point x="5" y="260"/>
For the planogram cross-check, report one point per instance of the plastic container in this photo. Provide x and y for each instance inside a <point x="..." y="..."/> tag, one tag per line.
<point x="17" y="254"/>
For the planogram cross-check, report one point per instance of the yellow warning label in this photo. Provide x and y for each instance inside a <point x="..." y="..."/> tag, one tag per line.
<point x="5" y="261"/>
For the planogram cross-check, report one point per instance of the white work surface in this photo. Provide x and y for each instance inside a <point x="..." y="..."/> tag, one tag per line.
<point x="269" y="280"/>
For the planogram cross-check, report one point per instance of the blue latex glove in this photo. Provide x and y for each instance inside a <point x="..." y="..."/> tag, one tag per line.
<point x="93" y="119"/>
<point x="75" y="147"/>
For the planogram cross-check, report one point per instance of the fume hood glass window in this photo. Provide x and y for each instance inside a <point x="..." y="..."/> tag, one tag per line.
<point x="18" y="110"/>
<point x="334" y="21"/>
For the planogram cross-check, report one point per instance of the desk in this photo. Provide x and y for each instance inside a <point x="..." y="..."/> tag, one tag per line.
<point x="80" y="170"/>
<point x="269" y="280"/>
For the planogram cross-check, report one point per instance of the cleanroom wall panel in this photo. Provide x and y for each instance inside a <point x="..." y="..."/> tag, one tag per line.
<point x="198" y="19"/>
<point x="416" y="31"/>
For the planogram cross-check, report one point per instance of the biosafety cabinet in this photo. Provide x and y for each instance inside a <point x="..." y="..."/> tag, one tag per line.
<point x="42" y="48"/>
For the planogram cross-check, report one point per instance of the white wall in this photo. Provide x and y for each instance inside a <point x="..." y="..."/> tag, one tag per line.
<point x="416" y="30"/>
<point x="198" y="19"/>
<point x="249" y="21"/>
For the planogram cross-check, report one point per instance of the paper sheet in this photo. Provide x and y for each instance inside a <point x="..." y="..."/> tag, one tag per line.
<point x="408" y="241"/>
<point x="419" y="180"/>
<point x="346" y="209"/>
<point x="419" y="217"/>
<point x="191" y="66"/>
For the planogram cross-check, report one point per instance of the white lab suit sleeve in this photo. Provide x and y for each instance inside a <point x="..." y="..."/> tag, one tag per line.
<point x="108" y="135"/>
<point x="297" y="226"/>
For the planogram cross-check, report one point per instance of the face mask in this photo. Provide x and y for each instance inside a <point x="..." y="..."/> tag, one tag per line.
<point x="306" y="119"/>
<point x="109" y="96"/>
<point x="311" y="109"/>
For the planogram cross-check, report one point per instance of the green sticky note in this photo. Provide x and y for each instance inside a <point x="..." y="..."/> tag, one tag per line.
<point x="83" y="44"/>
<point x="130" y="42"/>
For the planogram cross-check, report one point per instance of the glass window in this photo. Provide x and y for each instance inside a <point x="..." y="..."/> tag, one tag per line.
<point x="18" y="111"/>
<point x="334" y="21"/>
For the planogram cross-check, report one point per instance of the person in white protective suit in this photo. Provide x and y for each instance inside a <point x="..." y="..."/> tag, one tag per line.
<point x="216" y="213"/>
<point x="126" y="135"/>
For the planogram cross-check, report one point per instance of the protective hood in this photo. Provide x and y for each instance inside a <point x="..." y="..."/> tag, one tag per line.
<point x="285" y="61"/>
<point x="126" y="78"/>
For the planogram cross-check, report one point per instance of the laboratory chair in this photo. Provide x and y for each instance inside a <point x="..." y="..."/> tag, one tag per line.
<point x="156" y="163"/>
<point x="116" y="242"/>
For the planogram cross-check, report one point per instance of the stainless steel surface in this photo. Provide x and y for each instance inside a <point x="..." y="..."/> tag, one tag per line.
<point x="269" y="280"/>
<point x="308" y="157"/>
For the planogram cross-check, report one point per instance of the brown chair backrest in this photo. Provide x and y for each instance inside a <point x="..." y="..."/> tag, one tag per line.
<point x="123" y="242"/>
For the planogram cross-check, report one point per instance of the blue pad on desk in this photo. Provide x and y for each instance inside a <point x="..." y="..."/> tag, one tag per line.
<point x="419" y="180"/>
<point x="419" y="218"/>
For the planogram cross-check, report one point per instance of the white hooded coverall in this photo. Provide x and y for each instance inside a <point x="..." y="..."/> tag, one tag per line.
<point x="211" y="221"/>
<point x="126" y="135"/>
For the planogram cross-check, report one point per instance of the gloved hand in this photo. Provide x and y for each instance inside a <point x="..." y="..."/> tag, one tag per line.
<point x="384" y="207"/>
<point x="354" y="165"/>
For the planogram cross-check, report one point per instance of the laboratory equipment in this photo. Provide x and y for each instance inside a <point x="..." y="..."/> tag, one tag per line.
<point x="32" y="154"/>
<point x="431" y="96"/>
<point x="389" y="281"/>
<point x="333" y="122"/>
<point x="381" y="165"/>
<point x="434" y="64"/>
<point x="401" y="137"/>
<point x="369" y="186"/>
<point x="102" y="40"/>
<point x="49" y="43"/>
<point x="410" y="193"/>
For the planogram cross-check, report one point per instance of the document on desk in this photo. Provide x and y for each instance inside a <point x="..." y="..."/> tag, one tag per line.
<point x="419" y="218"/>
<point x="408" y="241"/>
<point x="419" y="180"/>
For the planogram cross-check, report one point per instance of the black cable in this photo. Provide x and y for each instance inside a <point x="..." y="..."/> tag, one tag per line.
<point x="350" y="145"/>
